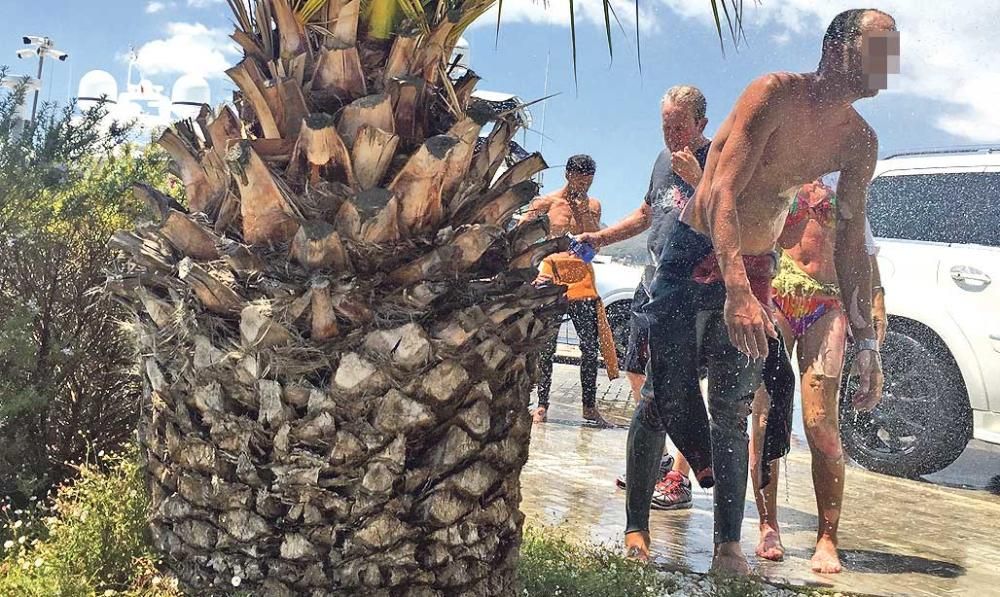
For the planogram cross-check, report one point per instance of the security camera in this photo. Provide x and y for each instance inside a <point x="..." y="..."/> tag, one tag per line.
<point x="35" y="39"/>
<point x="57" y="54"/>
<point x="27" y="53"/>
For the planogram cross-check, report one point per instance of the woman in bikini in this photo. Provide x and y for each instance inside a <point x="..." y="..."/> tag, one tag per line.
<point x="811" y="318"/>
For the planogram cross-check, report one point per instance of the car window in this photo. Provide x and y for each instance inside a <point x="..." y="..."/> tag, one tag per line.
<point x="957" y="207"/>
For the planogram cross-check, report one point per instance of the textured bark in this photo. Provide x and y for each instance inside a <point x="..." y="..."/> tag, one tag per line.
<point x="340" y="352"/>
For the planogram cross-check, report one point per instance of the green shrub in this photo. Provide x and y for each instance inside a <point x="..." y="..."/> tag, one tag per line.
<point x="91" y="540"/>
<point x="67" y="369"/>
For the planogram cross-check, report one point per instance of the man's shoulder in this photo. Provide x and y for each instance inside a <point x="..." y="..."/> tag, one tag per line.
<point x="861" y="138"/>
<point x="545" y="200"/>
<point x="860" y="129"/>
<point x="775" y="85"/>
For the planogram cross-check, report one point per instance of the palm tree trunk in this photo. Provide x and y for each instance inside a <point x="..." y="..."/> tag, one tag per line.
<point x="338" y="334"/>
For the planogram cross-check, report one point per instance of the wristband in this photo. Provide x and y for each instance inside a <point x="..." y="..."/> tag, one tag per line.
<point x="878" y="289"/>
<point x="868" y="344"/>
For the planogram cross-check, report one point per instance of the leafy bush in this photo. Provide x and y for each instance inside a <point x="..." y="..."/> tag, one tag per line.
<point x="90" y="540"/>
<point x="66" y="368"/>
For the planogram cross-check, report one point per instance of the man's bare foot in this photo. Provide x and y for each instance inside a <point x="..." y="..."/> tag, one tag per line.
<point x="540" y="415"/>
<point x="637" y="546"/>
<point x="826" y="560"/>
<point x="770" y="547"/>
<point x="729" y="559"/>
<point x="594" y="416"/>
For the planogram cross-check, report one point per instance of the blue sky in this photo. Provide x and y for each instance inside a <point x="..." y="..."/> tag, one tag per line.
<point x="945" y="95"/>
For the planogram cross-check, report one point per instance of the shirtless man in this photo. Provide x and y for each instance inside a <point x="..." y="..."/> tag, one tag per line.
<point x="711" y="293"/>
<point x="572" y="210"/>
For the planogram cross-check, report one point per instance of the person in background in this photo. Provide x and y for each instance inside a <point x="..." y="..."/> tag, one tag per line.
<point x="571" y="210"/>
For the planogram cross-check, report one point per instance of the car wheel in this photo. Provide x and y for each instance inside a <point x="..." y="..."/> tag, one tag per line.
<point x="619" y="316"/>
<point x="924" y="420"/>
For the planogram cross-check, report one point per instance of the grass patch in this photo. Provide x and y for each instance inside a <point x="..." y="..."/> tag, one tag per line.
<point x="553" y="565"/>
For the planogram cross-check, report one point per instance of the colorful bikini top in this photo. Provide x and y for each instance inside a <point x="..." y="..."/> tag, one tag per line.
<point x="813" y="201"/>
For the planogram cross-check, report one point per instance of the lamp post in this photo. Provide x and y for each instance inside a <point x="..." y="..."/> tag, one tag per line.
<point x="40" y="47"/>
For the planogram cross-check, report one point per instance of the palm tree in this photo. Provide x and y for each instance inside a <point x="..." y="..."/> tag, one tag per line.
<point x="337" y="332"/>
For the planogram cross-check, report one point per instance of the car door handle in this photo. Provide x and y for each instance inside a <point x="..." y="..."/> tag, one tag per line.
<point x="959" y="275"/>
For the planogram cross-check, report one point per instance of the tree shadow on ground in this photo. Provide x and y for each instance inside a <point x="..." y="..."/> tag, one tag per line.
<point x="880" y="562"/>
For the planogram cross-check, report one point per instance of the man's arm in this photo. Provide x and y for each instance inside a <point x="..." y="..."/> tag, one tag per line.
<point x="851" y="255"/>
<point x="587" y="215"/>
<point x="853" y="263"/>
<point x="635" y="223"/>
<point x="537" y="208"/>
<point x="753" y="121"/>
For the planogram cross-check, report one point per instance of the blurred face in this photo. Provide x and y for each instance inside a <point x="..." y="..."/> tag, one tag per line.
<point x="577" y="183"/>
<point x="874" y="56"/>
<point x="879" y="59"/>
<point x="680" y="129"/>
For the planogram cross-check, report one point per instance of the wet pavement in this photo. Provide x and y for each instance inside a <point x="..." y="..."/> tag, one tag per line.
<point x="898" y="537"/>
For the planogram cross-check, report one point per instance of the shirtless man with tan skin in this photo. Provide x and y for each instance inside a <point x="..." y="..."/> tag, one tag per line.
<point x="711" y="293"/>
<point x="571" y="210"/>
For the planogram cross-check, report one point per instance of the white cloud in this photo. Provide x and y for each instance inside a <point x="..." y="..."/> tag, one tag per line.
<point x="203" y="3"/>
<point x="556" y="12"/>
<point x="155" y="7"/>
<point x="947" y="55"/>
<point x="189" y="48"/>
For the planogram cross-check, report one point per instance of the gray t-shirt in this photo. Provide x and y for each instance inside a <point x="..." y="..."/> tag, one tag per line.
<point x="667" y="195"/>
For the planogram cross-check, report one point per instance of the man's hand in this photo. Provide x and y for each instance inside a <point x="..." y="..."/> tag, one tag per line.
<point x="542" y="279"/>
<point x="748" y="323"/>
<point x="869" y="367"/>
<point x="594" y="238"/>
<point x="685" y="164"/>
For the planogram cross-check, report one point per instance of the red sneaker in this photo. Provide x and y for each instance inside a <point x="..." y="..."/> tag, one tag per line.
<point x="672" y="493"/>
<point x="666" y="463"/>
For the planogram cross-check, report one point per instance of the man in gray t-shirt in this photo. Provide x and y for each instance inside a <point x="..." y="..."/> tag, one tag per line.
<point x="676" y="173"/>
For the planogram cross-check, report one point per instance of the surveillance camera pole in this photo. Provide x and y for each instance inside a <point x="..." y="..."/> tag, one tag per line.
<point x="34" y="102"/>
<point x="40" y="46"/>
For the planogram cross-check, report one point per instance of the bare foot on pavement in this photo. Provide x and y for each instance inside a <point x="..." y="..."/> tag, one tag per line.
<point x="594" y="416"/>
<point x="637" y="546"/>
<point x="540" y="415"/>
<point x="770" y="547"/>
<point x="729" y="560"/>
<point x="826" y="560"/>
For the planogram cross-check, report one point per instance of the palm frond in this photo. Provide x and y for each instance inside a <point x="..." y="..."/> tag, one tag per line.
<point x="607" y="28"/>
<point x="414" y="11"/>
<point x="306" y="9"/>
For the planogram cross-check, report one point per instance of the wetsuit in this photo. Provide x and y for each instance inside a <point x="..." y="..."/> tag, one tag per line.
<point x="686" y="327"/>
<point x="583" y="313"/>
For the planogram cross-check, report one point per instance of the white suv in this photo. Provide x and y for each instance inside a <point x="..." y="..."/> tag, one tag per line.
<point x="936" y="217"/>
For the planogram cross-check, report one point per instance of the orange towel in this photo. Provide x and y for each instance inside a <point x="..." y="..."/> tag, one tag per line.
<point x="578" y="276"/>
<point x="571" y="271"/>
